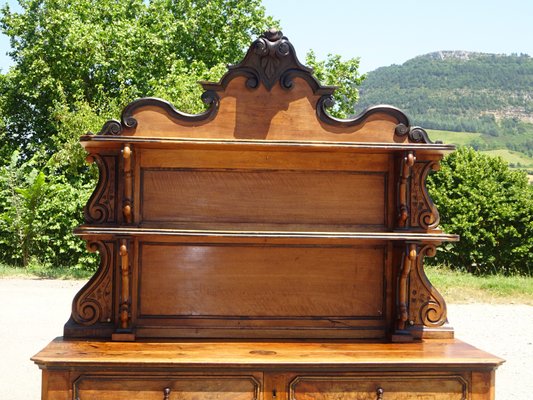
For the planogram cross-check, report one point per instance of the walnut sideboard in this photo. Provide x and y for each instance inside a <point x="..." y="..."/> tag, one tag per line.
<point x="262" y="250"/>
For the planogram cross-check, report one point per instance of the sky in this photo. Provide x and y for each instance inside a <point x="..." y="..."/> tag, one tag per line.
<point x="385" y="32"/>
<point x="388" y="32"/>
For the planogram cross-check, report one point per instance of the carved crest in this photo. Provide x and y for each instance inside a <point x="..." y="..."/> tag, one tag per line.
<point x="269" y="64"/>
<point x="270" y="59"/>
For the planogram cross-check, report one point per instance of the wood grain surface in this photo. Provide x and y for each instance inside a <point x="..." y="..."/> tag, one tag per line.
<point x="450" y="353"/>
<point x="262" y="281"/>
<point x="262" y="114"/>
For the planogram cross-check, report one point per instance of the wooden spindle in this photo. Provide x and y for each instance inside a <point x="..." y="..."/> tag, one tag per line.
<point x="407" y="164"/>
<point x="125" y="285"/>
<point x="409" y="258"/>
<point x="128" y="184"/>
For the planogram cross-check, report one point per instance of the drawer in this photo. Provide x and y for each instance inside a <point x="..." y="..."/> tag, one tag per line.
<point x="166" y="387"/>
<point x="382" y="387"/>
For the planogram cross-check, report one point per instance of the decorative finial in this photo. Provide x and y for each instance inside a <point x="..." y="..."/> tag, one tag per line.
<point x="273" y="34"/>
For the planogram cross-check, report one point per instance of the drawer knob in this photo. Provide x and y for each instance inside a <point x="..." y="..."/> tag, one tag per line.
<point x="380" y="392"/>
<point x="166" y="392"/>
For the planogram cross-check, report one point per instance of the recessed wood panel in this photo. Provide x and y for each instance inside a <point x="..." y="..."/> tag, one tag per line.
<point x="261" y="281"/>
<point x="108" y="387"/>
<point x="311" y="198"/>
<point x="407" y="387"/>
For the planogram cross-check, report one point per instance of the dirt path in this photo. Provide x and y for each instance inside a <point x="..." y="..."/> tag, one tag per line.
<point x="34" y="311"/>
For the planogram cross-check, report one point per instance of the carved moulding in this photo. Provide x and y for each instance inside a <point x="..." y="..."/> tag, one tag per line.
<point x="415" y="134"/>
<point x="423" y="213"/>
<point x="94" y="302"/>
<point x="114" y="127"/>
<point x="101" y="207"/>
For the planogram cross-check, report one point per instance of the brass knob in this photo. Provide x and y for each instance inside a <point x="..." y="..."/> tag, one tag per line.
<point x="380" y="392"/>
<point x="166" y="392"/>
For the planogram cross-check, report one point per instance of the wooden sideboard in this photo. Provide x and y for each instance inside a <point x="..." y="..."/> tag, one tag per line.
<point x="262" y="250"/>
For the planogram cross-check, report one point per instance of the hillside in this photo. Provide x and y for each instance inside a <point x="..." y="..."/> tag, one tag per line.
<point x="462" y="91"/>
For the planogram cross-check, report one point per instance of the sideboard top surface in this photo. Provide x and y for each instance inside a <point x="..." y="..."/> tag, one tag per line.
<point x="294" y="354"/>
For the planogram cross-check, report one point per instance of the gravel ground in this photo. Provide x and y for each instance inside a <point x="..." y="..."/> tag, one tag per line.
<point x="33" y="312"/>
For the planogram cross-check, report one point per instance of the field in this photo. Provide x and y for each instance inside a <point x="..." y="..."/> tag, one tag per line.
<point x="455" y="286"/>
<point x="512" y="157"/>
<point x="515" y="159"/>
<point x="462" y="287"/>
<point x="458" y="138"/>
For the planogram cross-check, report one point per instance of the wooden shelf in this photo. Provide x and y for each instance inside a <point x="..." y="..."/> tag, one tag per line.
<point x="386" y="236"/>
<point x="280" y="145"/>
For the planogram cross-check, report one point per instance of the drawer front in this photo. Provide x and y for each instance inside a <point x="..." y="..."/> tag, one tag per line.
<point x="109" y="387"/>
<point x="398" y="387"/>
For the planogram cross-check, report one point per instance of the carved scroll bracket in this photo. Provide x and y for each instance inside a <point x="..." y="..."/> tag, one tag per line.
<point x="424" y="214"/>
<point x="101" y="206"/>
<point x="128" y="184"/>
<point x="421" y="308"/>
<point x="93" y="304"/>
<point x="427" y="308"/>
<point x="403" y="196"/>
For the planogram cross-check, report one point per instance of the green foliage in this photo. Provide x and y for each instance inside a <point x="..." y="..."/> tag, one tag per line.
<point x="106" y="53"/>
<point x="344" y="74"/>
<point x="464" y="92"/>
<point x="37" y="214"/>
<point x="491" y="207"/>
<point x="76" y="65"/>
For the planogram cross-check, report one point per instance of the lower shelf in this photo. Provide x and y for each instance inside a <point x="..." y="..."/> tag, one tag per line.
<point x="209" y="370"/>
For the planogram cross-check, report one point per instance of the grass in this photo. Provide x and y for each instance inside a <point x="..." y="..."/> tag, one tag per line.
<point x="458" y="138"/>
<point x="520" y="160"/>
<point x="462" y="287"/>
<point x="40" y="272"/>
<point x="512" y="157"/>
<point x="455" y="286"/>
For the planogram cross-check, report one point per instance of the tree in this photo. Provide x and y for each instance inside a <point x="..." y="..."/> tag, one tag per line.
<point x="37" y="214"/>
<point x="106" y="53"/>
<point x="344" y="74"/>
<point x="491" y="207"/>
<point x="77" y="64"/>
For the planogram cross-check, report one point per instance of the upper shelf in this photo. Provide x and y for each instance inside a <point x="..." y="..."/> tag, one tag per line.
<point x="185" y="233"/>
<point x="280" y="145"/>
<point x="268" y="97"/>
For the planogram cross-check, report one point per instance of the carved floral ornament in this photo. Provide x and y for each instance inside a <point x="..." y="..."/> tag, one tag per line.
<point x="271" y="59"/>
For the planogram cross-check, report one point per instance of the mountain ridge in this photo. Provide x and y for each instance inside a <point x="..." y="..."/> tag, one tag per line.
<point x="461" y="91"/>
<point x="464" y="55"/>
